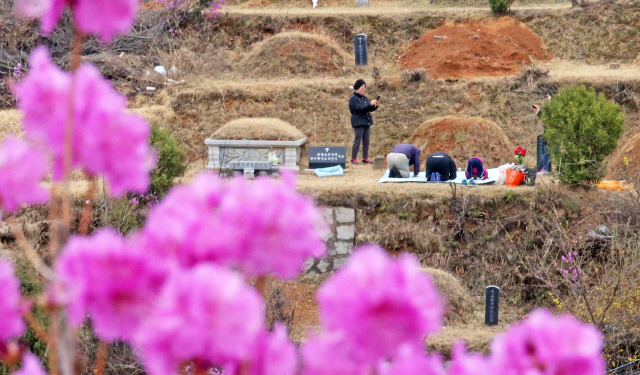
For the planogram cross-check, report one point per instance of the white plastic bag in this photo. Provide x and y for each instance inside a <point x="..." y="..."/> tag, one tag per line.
<point x="502" y="173"/>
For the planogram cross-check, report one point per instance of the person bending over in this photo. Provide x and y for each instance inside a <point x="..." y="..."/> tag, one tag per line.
<point x="476" y="169"/>
<point x="440" y="167"/>
<point x="401" y="158"/>
<point x="361" y="121"/>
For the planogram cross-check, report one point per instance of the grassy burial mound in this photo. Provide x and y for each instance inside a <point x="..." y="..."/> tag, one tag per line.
<point x="471" y="49"/>
<point x="463" y="137"/>
<point x="297" y="54"/>
<point x="258" y="129"/>
<point x="459" y="302"/>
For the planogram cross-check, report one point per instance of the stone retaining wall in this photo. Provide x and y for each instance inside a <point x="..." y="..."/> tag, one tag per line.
<point x="339" y="240"/>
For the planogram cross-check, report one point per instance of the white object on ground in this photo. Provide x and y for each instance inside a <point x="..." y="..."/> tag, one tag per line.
<point x="315" y="3"/>
<point x="330" y="171"/>
<point x="502" y="173"/>
<point x="121" y="54"/>
<point x="151" y="88"/>
<point x="160" y="70"/>
<point x="174" y="69"/>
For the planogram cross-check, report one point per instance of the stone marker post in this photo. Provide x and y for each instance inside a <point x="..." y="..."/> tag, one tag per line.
<point x="491" y="306"/>
<point x="378" y="162"/>
<point x="360" y="42"/>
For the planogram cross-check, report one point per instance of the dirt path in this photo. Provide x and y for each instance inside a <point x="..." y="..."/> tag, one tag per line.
<point x="385" y="10"/>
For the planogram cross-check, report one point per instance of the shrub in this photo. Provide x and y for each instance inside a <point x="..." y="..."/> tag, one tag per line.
<point x="500" y="6"/>
<point x="170" y="160"/>
<point x="582" y="127"/>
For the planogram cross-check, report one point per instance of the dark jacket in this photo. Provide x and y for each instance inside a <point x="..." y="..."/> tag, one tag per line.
<point x="412" y="153"/>
<point x="360" y="109"/>
<point x="443" y="164"/>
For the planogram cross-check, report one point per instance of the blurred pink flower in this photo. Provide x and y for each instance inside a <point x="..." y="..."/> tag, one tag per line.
<point x="110" y="280"/>
<point x="412" y="361"/>
<point x="43" y="98"/>
<point x="22" y="169"/>
<point x="545" y="344"/>
<point x="275" y="229"/>
<point x="464" y="363"/>
<point x="261" y="227"/>
<point x="206" y="314"/>
<point x="330" y="354"/>
<point x="275" y="354"/>
<point x="380" y="303"/>
<point x="11" y="323"/>
<point x="106" y="139"/>
<point x="103" y="18"/>
<point x="30" y="366"/>
<point x="184" y="225"/>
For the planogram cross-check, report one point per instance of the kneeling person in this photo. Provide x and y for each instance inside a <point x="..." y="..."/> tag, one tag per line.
<point x="401" y="158"/>
<point x="440" y="167"/>
<point x="476" y="169"/>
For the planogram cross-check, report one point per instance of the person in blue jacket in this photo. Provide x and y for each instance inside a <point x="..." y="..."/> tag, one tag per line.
<point x="361" y="121"/>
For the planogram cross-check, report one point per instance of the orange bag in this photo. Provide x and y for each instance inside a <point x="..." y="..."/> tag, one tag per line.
<point x="514" y="178"/>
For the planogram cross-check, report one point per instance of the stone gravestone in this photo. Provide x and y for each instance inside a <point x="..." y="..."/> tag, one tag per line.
<point x="491" y="306"/>
<point x="360" y="42"/>
<point x="542" y="155"/>
<point x="322" y="157"/>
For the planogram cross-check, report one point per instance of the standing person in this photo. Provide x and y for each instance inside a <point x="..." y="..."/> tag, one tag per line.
<point x="401" y="158"/>
<point x="440" y="167"/>
<point x="361" y="121"/>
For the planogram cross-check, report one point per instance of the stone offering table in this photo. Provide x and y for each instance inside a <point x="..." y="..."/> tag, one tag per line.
<point x="225" y="153"/>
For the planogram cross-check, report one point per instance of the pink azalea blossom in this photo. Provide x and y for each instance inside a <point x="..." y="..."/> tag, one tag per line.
<point x="260" y="227"/>
<point x="274" y="227"/>
<point x="22" y="169"/>
<point x="30" y="366"/>
<point x="206" y="314"/>
<point x="412" y="361"/>
<point x="104" y="18"/>
<point x="463" y="363"/>
<point x="184" y="226"/>
<point x="331" y="354"/>
<point x="108" y="279"/>
<point x="380" y="303"/>
<point x="275" y="354"/>
<point x="11" y="323"/>
<point x="106" y="140"/>
<point x="43" y="98"/>
<point x="544" y="344"/>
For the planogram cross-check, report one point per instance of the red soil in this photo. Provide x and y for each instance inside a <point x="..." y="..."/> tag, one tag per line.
<point x="475" y="49"/>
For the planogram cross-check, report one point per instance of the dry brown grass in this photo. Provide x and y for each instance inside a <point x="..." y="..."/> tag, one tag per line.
<point x="259" y="129"/>
<point x="296" y="53"/>
<point x="10" y="122"/>
<point x="459" y="302"/>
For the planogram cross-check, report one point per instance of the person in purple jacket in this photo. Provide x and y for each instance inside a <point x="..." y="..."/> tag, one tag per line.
<point x="401" y="158"/>
<point x="476" y="169"/>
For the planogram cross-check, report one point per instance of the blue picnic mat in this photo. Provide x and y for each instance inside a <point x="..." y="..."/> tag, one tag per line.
<point x="493" y="175"/>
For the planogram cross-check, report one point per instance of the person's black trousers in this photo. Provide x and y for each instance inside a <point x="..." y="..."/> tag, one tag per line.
<point x="362" y="135"/>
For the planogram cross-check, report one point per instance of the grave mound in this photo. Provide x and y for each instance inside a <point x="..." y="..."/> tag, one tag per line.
<point x="459" y="302"/>
<point x="258" y="129"/>
<point x="470" y="49"/>
<point x="296" y="53"/>
<point x="630" y="151"/>
<point x="462" y="137"/>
